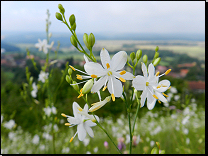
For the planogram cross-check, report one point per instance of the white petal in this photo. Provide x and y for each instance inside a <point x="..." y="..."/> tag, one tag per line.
<point x="161" y="97"/>
<point x="139" y="83"/>
<point x="81" y="132"/>
<point x="151" y="104"/>
<point x="98" y="85"/>
<point x="89" y="130"/>
<point x="72" y="120"/>
<point x="118" y="61"/>
<point x="163" y="89"/>
<point x="144" y="70"/>
<point x="151" y="70"/>
<point x="143" y="97"/>
<point x="126" y="76"/>
<point x="86" y="59"/>
<point x="115" y="86"/>
<point x="105" y="57"/>
<point x="75" y="107"/>
<point x="86" y="108"/>
<point x="94" y="68"/>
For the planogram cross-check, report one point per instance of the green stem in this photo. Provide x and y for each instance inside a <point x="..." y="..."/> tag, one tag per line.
<point x="135" y="119"/>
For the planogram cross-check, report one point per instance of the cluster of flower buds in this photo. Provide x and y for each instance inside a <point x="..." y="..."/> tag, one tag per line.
<point x="89" y="40"/>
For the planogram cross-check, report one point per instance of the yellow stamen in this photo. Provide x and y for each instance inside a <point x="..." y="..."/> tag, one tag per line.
<point x="93" y="120"/>
<point x="104" y="88"/>
<point x="107" y="65"/>
<point x="81" y="90"/>
<point x="72" y="68"/>
<point x="64" y="115"/>
<point x="109" y="73"/>
<point x="67" y="124"/>
<point x="113" y="97"/>
<point x="79" y="77"/>
<point x="80" y="95"/>
<point x="167" y="72"/>
<point x="159" y="101"/>
<point x="79" y="108"/>
<point x="155" y="96"/>
<point x="121" y="79"/>
<point x="163" y="85"/>
<point x="123" y="72"/>
<point x="94" y="76"/>
<point x="158" y="86"/>
<point x="157" y="73"/>
<point x="147" y="83"/>
<point x="169" y="87"/>
<point x="165" y="94"/>
<point x="71" y="139"/>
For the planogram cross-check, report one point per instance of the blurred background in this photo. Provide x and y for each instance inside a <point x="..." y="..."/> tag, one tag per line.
<point x="178" y="28"/>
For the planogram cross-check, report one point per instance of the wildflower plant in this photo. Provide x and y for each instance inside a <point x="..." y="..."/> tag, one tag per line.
<point x="112" y="75"/>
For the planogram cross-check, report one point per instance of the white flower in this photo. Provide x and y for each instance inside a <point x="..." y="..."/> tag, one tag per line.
<point x="152" y="90"/>
<point x="152" y="143"/>
<point x="176" y="97"/>
<point x="109" y="73"/>
<point x="177" y="128"/>
<point x="186" y="111"/>
<point x="43" y="76"/>
<point x="185" y="120"/>
<point x="55" y="127"/>
<point x="185" y="131"/>
<point x="83" y="120"/>
<point x="147" y="139"/>
<point x="35" y="139"/>
<point x="88" y="152"/>
<point x="35" y="90"/>
<point x="98" y="105"/>
<point x="11" y="135"/>
<point x="47" y="111"/>
<point x="65" y="150"/>
<point x="95" y="149"/>
<point x="43" y="46"/>
<point x="53" y="110"/>
<point x="10" y="124"/>
<point x="157" y="130"/>
<point x="173" y="90"/>
<point x="86" y="141"/>
<point x="47" y="136"/>
<point x="187" y="141"/>
<point x="42" y="147"/>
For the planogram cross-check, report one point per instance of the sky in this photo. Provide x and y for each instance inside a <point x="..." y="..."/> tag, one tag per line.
<point x="107" y="16"/>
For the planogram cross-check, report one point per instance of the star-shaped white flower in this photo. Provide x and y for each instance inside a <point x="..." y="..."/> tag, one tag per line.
<point x="152" y="90"/>
<point x="35" y="90"/>
<point x="43" y="46"/>
<point x="109" y="73"/>
<point x="83" y="120"/>
<point x="43" y="76"/>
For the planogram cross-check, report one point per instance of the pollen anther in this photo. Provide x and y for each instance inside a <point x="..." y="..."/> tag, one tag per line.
<point x="79" y="77"/>
<point x="123" y="72"/>
<point x="165" y="94"/>
<point x="158" y="86"/>
<point x="155" y="96"/>
<point x="72" y="67"/>
<point x="94" y="76"/>
<point x="64" y="115"/>
<point x="71" y="139"/>
<point x="157" y="73"/>
<point x="113" y="97"/>
<point x="167" y="72"/>
<point x="147" y="83"/>
<point x="104" y="88"/>
<point x="107" y="65"/>
<point x="67" y="124"/>
<point x="122" y="79"/>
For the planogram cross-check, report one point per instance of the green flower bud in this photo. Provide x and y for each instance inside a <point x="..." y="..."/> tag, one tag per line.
<point x="156" y="61"/>
<point x="138" y="54"/>
<point x="87" y="86"/>
<point x="59" y="16"/>
<point x="74" y="26"/>
<point x="157" y="48"/>
<point x="72" y="19"/>
<point x="85" y="39"/>
<point x="156" y="55"/>
<point x="69" y="71"/>
<point x="61" y="8"/>
<point x="68" y="79"/>
<point x="145" y="58"/>
<point x="155" y="151"/>
<point x="76" y="87"/>
<point x="158" y="145"/>
<point x="132" y="56"/>
<point x="162" y="152"/>
<point x="91" y="40"/>
<point x="73" y="41"/>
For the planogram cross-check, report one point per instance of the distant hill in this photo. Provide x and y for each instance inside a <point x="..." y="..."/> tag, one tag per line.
<point x="9" y="47"/>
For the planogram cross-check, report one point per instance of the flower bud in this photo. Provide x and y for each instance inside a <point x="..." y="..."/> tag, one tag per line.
<point x="73" y="41"/>
<point x="156" y="49"/>
<point x="138" y="54"/>
<point x="156" y="61"/>
<point x="72" y="19"/>
<point x="91" y="40"/>
<point x="68" y="79"/>
<point x="50" y="34"/>
<point x="85" y="39"/>
<point x="87" y="86"/>
<point x="69" y="71"/>
<point x="61" y="8"/>
<point x="75" y="85"/>
<point x="74" y="26"/>
<point x="59" y="16"/>
<point x="155" y="151"/>
<point x="156" y="55"/>
<point x="145" y="58"/>
<point x="132" y="56"/>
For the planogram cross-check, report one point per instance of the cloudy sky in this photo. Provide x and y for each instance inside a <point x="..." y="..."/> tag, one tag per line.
<point x="107" y="16"/>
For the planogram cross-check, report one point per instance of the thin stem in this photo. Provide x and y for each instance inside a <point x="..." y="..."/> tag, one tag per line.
<point x="135" y="119"/>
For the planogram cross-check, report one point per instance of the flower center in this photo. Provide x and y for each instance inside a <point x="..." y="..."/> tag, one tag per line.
<point x="147" y="83"/>
<point x="109" y="73"/>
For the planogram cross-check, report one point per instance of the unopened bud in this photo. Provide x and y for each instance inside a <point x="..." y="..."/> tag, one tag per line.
<point x="145" y="58"/>
<point x="156" y="55"/>
<point x="75" y="85"/>
<point x="87" y="87"/>
<point x="61" y="8"/>
<point x="156" y="61"/>
<point x="138" y="54"/>
<point x="74" y="26"/>
<point x="59" y="16"/>
<point x="72" y="19"/>
<point x="91" y="40"/>
<point x="85" y="39"/>
<point x="156" y="49"/>
<point x="132" y="56"/>
<point x="73" y="41"/>
<point x="68" y="79"/>
<point x="69" y="71"/>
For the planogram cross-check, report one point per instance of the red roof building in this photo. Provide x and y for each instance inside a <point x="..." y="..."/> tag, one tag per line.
<point x="197" y="85"/>
<point x="188" y="65"/>
<point x="183" y="72"/>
